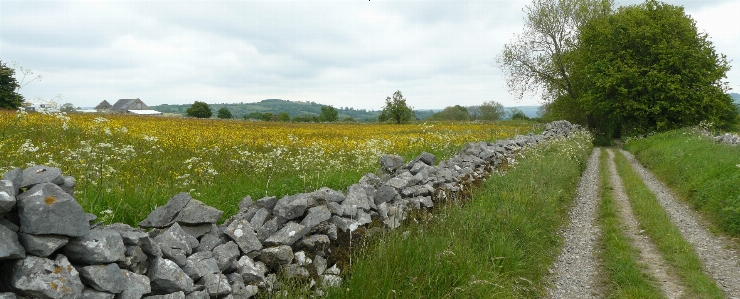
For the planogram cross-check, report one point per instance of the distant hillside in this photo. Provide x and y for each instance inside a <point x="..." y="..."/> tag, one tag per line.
<point x="276" y="106"/>
<point x="735" y="97"/>
<point x="529" y="111"/>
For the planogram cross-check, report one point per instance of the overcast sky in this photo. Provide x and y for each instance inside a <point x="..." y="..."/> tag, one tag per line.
<point x="343" y="53"/>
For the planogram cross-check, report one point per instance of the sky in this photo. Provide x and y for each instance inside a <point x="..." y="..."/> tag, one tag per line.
<point x="347" y="53"/>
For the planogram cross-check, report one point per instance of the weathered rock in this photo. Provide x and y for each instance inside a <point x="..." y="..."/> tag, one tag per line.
<point x="88" y="293"/>
<point x="130" y="235"/>
<point x="275" y="256"/>
<point x="363" y="218"/>
<point x="244" y="235"/>
<point x="134" y="285"/>
<point x="216" y="284"/>
<point x="267" y="202"/>
<point x="201" y="294"/>
<point x="7" y="196"/>
<point x="44" y="278"/>
<point x="390" y="163"/>
<point x="105" y="278"/>
<point x="290" y="207"/>
<point x="166" y="277"/>
<point x="46" y="209"/>
<point x="245" y="203"/>
<point x="259" y="218"/>
<point x="314" y="242"/>
<point x="327" y="195"/>
<point x="211" y="239"/>
<point x="199" y="264"/>
<point x="165" y="216"/>
<point x="41" y="174"/>
<point x="42" y="245"/>
<point x="68" y="185"/>
<point x="295" y="271"/>
<point x="10" y="248"/>
<point x="135" y="260"/>
<point x="198" y="230"/>
<point x="196" y="212"/>
<point x="14" y="175"/>
<point x="99" y="246"/>
<point x="250" y="270"/>
<point x="226" y="255"/>
<point x="7" y="295"/>
<point x="344" y="224"/>
<point x="315" y="216"/>
<point x="289" y="234"/>
<point x="356" y="196"/>
<point x="176" y="244"/>
<point x="319" y="264"/>
<point x="9" y="225"/>
<point x="427" y="158"/>
<point x="385" y="193"/>
<point x="175" y="295"/>
<point x="268" y="229"/>
<point x="398" y="182"/>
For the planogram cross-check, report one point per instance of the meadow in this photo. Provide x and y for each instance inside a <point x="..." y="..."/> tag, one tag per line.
<point x="127" y="165"/>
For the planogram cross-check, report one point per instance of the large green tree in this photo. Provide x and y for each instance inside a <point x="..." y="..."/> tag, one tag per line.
<point x="491" y="110"/>
<point x="396" y="110"/>
<point x="457" y="113"/>
<point x="9" y="96"/>
<point x="329" y="113"/>
<point x="647" y="68"/>
<point x="199" y="110"/>
<point x="224" y="113"/>
<point x="537" y="61"/>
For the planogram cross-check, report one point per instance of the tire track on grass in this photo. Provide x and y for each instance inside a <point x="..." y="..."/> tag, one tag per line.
<point x="650" y="256"/>
<point x="714" y="251"/>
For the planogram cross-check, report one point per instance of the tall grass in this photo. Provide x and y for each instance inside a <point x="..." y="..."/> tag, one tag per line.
<point x="624" y="276"/>
<point x="679" y="253"/>
<point x="705" y="173"/>
<point x="498" y="245"/>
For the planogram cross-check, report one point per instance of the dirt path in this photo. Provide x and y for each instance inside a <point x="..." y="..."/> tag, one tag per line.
<point x="575" y="273"/>
<point x="715" y="252"/>
<point x="649" y="254"/>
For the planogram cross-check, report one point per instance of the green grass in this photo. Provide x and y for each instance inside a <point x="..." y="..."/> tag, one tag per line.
<point x="675" y="250"/>
<point x="704" y="173"/>
<point x="499" y="245"/>
<point x="624" y="276"/>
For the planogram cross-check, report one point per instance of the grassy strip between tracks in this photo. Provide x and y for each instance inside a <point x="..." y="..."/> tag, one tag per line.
<point x="656" y="223"/>
<point x="499" y="245"/>
<point x="701" y="171"/>
<point x="624" y="276"/>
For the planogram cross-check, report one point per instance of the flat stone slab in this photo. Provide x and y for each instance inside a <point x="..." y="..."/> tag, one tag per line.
<point x="134" y="285"/>
<point x="196" y="212"/>
<point x="244" y="235"/>
<point x="166" y="277"/>
<point x="292" y="206"/>
<point x="105" y="278"/>
<point x="165" y="216"/>
<point x="42" y="245"/>
<point x="10" y="248"/>
<point x="47" y="209"/>
<point x="289" y="234"/>
<point x="41" y="174"/>
<point x="100" y="246"/>
<point x="40" y="277"/>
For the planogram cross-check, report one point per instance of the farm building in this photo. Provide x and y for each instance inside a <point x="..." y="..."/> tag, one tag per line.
<point x="103" y="106"/>
<point x="135" y="106"/>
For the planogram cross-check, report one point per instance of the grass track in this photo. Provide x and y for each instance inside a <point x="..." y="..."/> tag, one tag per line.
<point x="624" y="276"/>
<point x="657" y="225"/>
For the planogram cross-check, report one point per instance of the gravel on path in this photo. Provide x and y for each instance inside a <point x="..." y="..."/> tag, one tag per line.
<point x="715" y="251"/>
<point x="650" y="256"/>
<point x="575" y="272"/>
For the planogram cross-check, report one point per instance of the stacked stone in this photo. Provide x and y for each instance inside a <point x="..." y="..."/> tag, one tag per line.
<point x="731" y="139"/>
<point x="49" y="249"/>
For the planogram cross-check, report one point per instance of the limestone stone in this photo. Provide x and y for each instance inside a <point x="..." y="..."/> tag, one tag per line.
<point x="344" y="224"/>
<point x="105" y="278"/>
<point x="292" y="206"/>
<point x="390" y="163"/>
<point x="226" y="255"/>
<point x="315" y="216"/>
<point x="175" y="295"/>
<point x="10" y="248"/>
<point x="198" y="230"/>
<point x="268" y="229"/>
<point x="42" y="245"/>
<point x="356" y="196"/>
<point x="134" y="285"/>
<point x="267" y="202"/>
<point x="196" y="212"/>
<point x="68" y="185"/>
<point x="216" y="284"/>
<point x="199" y="264"/>
<point x="275" y="256"/>
<point x="244" y="235"/>
<point x="259" y="218"/>
<point x="289" y="234"/>
<point x="99" y="246"/>
<point x="327" y="195"/>
<point x="250" y="270"/>
<point x="40" y="277"/>
<point x="314" y="242"/>
<point x="15" y="176"/>
<point x="385" y="193"/>
<point x="41" y="174"/>
<point x="88" y="293"/>
<point x="135" y="260"/>
<point x="165" y="216"/>
<point x="166" y="277"/>
<point x="46" y="209"/>
<point x="210" y="240"/>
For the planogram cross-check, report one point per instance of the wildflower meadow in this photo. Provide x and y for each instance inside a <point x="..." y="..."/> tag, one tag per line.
<point x="127" y="165"/>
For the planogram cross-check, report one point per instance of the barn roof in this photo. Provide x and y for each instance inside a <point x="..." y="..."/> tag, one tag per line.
<point x="123" y="104"/>
<point x="103" y="105"/>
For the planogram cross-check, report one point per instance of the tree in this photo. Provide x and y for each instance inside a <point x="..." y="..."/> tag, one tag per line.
<point x="646" y="68"/>
<point x="491" y="110"/>
<point x="518" y="114"/>
<point x="267" y="116"/>
<point x="457" y="113"/>
<point x="223" y="113"/>
<point x="538" y="60"/>
<point x="328" y="113"/>
<point x="396" y="109"/>
<point x="283" y="117"/>
<point x="199" y="110"/>
<point x="9" y="96"/>
<point x="67" y="107"/>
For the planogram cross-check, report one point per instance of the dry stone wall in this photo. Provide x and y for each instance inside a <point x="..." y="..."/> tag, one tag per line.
<point x="51" y="248"/>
